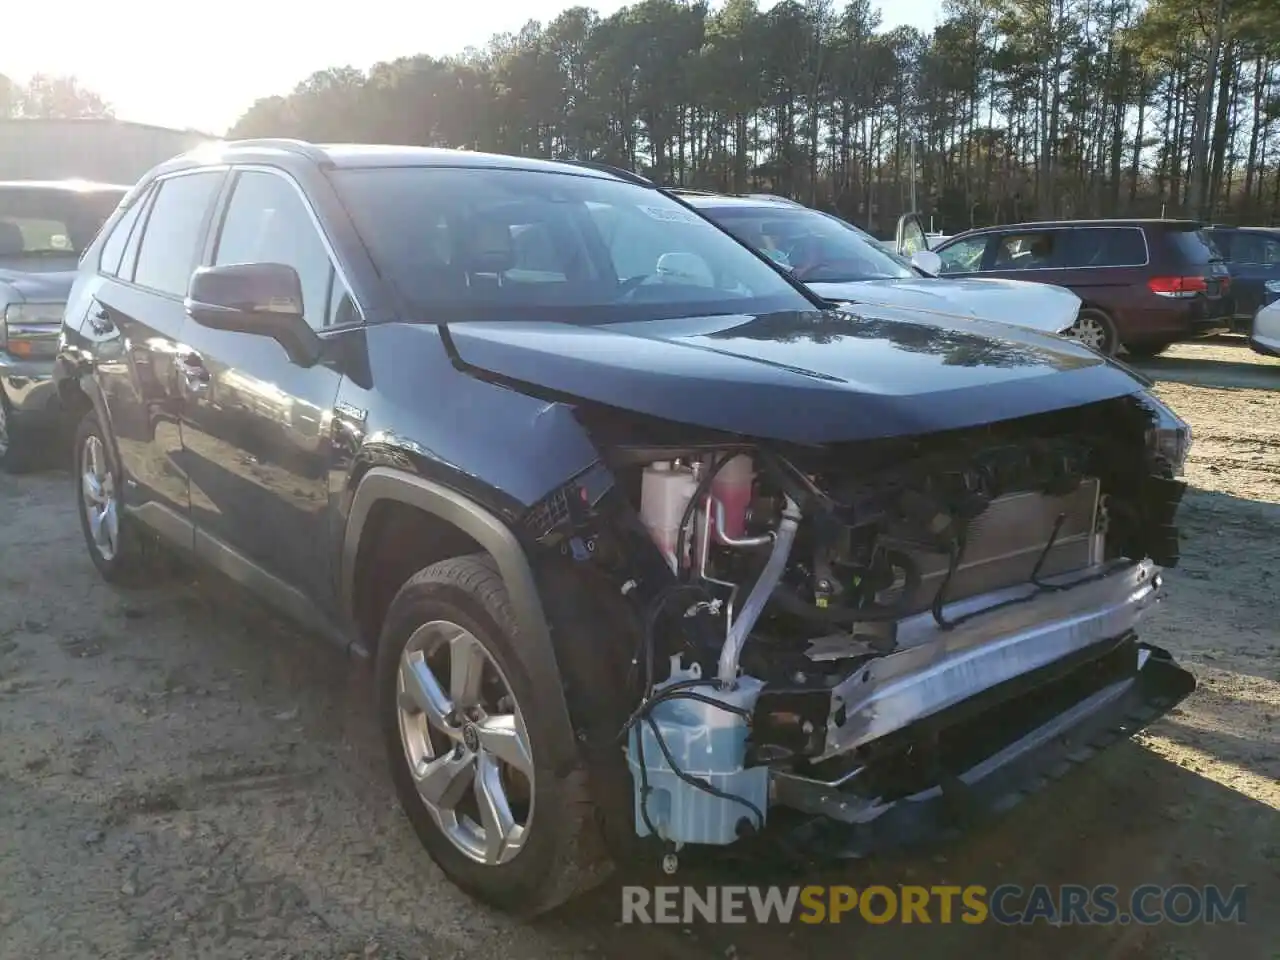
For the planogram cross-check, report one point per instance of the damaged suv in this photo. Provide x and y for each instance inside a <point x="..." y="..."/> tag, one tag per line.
<point x="652" y="551"/>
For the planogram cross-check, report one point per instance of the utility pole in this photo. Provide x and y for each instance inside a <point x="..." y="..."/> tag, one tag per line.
<point x="914" y="207"/>
<point x="1198" y="186"/>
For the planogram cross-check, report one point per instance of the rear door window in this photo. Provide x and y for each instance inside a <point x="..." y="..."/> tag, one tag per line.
<point x="113" y="248"/>
<point x="1104" y="247"/>
<point x="1032" y="250"/>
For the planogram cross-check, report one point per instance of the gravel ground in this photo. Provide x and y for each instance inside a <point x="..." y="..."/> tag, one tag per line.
<point x="184" y="775"/>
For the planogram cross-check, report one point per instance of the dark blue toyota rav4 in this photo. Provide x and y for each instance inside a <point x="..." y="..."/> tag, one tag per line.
<point x="651" y="550"/>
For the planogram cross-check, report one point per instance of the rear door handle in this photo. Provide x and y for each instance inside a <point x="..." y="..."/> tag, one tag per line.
<point x="100" y="320"/>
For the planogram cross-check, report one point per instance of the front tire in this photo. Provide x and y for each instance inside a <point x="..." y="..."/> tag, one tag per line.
<point x="1095" y="329"/>
<point x="465" y="730"/>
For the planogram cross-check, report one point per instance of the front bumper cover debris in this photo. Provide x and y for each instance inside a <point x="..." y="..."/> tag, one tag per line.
<point x="850" y="827"/>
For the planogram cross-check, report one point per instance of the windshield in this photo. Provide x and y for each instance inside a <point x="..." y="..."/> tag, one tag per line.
<point x="817" y="247"/>
<point x="51" y="221"/>
<point x="480" y="243"/>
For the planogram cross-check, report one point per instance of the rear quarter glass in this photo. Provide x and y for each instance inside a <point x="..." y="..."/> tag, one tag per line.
<point x="1192" y="247"/>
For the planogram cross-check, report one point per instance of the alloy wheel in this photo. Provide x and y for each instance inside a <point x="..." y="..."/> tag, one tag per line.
<point x="465" y="742"/>
<point x="98" y="498"/>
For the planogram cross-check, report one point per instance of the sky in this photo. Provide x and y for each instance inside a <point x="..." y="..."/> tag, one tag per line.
<point x="202" y="65"/>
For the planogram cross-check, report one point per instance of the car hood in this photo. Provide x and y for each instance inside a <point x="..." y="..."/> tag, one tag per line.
<point x="45" y="281"/>
<point x="809" y="377"/>
<point x="1037" y="306"/>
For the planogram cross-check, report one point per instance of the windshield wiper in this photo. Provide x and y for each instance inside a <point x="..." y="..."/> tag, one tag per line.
<point x="36" y="254"/>
<point x="629" y="284"/>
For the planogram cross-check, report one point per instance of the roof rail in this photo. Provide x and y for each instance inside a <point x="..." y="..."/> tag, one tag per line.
<point x="620" y="172"/>
<point x="301" y="147"/>
<point x="774" y="197"/>
<point x="691" y="191"/>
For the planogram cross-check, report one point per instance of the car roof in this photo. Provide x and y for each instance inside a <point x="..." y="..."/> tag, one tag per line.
<point x="366" y="155"/>
<point x="1227" y="226"/>
<point x="1102" y="222"/>
<point x="702" y="198"/>
<point x="70" y="186"/>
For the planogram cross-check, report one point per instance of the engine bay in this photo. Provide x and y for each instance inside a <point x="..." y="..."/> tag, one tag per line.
<point x="805" y="610"/>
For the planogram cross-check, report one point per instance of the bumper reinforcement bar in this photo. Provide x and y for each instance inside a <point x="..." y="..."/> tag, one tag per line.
<point x="845" y="826"/>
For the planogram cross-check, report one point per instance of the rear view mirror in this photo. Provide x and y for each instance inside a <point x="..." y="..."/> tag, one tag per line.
<point x="685" y="268"/>
<point x="264" y="299"/>
<point x="927" y="261"/>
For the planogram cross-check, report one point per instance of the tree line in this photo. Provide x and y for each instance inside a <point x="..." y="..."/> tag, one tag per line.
<point x="54" y="97"/>
<point x="1008" y="110"/>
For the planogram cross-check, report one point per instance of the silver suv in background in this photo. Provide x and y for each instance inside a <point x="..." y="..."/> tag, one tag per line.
<point x="44" y="227"/>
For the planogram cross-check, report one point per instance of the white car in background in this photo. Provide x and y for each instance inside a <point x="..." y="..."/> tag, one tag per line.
<point x="840" y="262"/>
<point x="1265" y="336"/>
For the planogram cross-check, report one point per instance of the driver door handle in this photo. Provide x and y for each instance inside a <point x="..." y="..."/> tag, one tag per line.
<point x="195" y="374"/>
<point x="100" y="320"/>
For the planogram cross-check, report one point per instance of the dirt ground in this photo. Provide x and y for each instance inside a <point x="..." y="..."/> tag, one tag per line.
<point x="182" y="775"/>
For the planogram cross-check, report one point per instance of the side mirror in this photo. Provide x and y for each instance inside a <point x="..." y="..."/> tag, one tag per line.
<point x="927" y="261"/>
<point x="264" y="299"/>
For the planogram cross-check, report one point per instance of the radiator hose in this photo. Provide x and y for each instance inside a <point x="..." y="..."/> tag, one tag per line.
<point x="788" y="600"/>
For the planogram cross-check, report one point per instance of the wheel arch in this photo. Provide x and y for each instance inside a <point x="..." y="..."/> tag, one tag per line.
<point x="383" y="485"/>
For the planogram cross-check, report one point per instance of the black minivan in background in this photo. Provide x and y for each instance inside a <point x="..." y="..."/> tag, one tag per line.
<point x="1145" y="284"/>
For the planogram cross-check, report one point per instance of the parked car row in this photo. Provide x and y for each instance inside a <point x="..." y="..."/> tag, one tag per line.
<point x="44" y="227"/>
<point x="651" y="544"/>
<point x="1252" y="255"/>
<point x="1144" y="284"/>
<point x="840" y="262"/>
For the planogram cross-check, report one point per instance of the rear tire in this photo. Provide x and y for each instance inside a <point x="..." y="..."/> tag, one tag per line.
<point x="13" y="447"/>
<point x="456" y="780"/>
<point x="115" y="543"/>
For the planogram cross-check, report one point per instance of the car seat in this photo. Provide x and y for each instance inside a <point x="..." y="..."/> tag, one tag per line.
<point x="11" y="241"/>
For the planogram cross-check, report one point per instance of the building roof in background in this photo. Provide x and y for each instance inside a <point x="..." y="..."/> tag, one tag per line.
<point x="107" y="121"/>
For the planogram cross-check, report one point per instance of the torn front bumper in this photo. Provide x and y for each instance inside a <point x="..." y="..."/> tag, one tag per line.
<point x="966" y="719"/>
<point x="986" y="640"/>
<point x="848" y="824"/>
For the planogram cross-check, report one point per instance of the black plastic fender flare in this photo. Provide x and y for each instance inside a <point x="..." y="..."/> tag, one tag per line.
<point x="497" y="539"/>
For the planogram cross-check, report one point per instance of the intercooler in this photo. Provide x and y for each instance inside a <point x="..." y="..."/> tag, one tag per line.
<point x="1003" y="545"/>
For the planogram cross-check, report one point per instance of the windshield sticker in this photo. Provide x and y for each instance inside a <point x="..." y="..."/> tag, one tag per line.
<point x="672" y="216"/>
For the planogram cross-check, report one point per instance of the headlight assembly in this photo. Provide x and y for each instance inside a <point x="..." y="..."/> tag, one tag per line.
<point x="1169" y="436"/>
<point x="30" y="330"/>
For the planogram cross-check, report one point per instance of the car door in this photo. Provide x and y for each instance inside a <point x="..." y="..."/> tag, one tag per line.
<point x="134" y="324"/>
<point x="911" y="236"/>
<point x="256" y="432"/>
<point x="1107" y="268"/>
<point x="1254" y="258"/>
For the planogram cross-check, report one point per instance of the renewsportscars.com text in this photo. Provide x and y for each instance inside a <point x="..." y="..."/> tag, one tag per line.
<point x="1009" y="904"/>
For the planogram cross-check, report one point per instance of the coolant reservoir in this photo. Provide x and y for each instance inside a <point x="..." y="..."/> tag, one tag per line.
<point x="665" y="491"/>
<point x="732" y="487"/>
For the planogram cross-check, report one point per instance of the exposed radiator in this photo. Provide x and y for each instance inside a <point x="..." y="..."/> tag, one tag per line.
<point x="1005" y="542"/>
